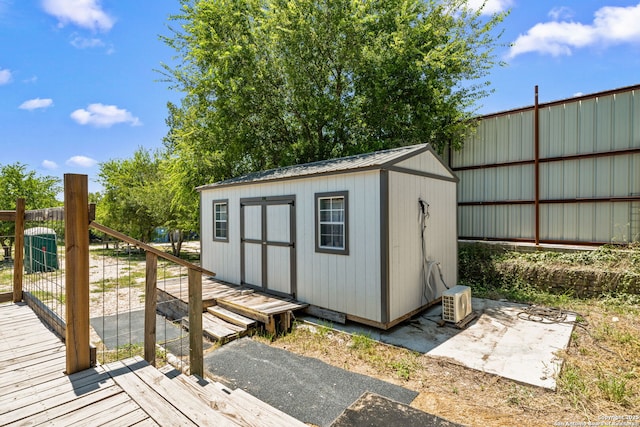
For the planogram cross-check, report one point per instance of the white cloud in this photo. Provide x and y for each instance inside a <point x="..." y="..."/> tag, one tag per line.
<point x="31" y="79"/>
<point x="100" y="115"/>
<point x="611" y="25"/>
<point x="81" y="161"/>
<point x="49" y="164"/>
<point x="84" y="43"/>
<point x="578" y="94"/>
<point x="562" y="12"/>
<point x="34" y="104"/>
<point x="5" y="76"/>
<point x="83" y="13"/>
<point x="491" y="6"/>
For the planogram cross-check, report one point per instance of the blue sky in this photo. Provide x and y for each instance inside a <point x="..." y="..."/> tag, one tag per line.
<point x="78" y="86"/>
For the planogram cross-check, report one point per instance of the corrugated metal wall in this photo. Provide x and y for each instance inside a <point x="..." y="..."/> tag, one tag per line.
<point x="589" y="172"/>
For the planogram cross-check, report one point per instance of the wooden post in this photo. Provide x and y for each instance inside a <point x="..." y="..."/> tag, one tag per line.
<point x="150" y="308"/>
<point x="195" y="322"/>
<point x="76" y="237"/>
<point x="18" y="259"/>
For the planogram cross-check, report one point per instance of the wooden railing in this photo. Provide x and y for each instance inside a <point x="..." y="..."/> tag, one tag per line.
<point x="79" y="217"/>
<point x="195" y="298"/>
<point x="16" y="216"/>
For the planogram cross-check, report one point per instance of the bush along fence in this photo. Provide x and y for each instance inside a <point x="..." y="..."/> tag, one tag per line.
<point x="582" y="273"/>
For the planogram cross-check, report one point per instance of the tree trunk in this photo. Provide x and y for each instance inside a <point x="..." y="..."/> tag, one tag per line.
<point x="176" y="237"/>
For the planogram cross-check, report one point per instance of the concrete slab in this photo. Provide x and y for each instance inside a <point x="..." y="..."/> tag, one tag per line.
<point x="497" y="342"/>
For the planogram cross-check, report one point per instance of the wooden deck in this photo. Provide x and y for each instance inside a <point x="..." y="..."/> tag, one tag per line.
<point x="34" y="389"/>
<point x="274" y="312"/>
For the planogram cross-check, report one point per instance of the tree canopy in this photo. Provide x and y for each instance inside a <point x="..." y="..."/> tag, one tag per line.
<point x="134" y="201"/>
<point x="17" y="181"/>
<point x="270" y="83"/>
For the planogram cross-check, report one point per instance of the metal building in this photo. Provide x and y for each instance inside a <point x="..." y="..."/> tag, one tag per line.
<point x="366" y="236"/>
<point x="561" y="172"/>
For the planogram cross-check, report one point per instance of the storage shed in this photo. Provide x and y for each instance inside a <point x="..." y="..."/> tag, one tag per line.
<point x="371" y="236"/>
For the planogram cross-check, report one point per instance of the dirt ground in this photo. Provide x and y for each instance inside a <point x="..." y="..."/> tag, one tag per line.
<point x="599" y="383"/>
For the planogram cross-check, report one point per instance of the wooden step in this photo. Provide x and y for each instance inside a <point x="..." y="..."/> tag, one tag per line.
<point x="231" y="317"/>
<point x="245" y="411"/>
<point x="217" y="329"/>
<point x="144" y="383"/>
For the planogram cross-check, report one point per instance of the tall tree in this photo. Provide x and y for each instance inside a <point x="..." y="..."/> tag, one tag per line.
<point x="269" y="83"/>
<point x="138" y="198"/>
<point x="16" y="181"/>
<point x="131" y="201"/>
<point x="38" y="191"/>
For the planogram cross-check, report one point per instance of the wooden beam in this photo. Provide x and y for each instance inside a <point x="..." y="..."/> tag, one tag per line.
<point x="195" y="323"/>
<point x="7" y="215"/>
<point x="76" y="233"/>
<point x="6" y="297"/>
<point x="148" y="248"/>
<point x="18" y="258"/>
<point x="46" y="214"/>
<point x="150" y="301"/>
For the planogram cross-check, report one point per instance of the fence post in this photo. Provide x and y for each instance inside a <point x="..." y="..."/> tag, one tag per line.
<point x="195" y="322"/>
<point x="18" y="259"/>
<point x="76" y="237"/>
<point x="150" y="308"/>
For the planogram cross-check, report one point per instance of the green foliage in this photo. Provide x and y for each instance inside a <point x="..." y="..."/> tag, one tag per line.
<point x="38" y="191"/>
<point x="406" y="367"/>
<point x="614" y="389"/>
<point x="137" y="197"/>
<point x="572" y="382"/>
<point x="362" y="342"/>
<point x="551" y="278"/>
<point x="274" y="83"/>
<point x="16" y="181"/>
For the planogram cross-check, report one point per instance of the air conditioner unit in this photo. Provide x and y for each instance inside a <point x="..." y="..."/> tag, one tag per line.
<point x="456" y="303"/>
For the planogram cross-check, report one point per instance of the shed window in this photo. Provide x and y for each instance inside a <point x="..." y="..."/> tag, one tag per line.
<point x="332" y="223"/>
<point x="220" y="220"/>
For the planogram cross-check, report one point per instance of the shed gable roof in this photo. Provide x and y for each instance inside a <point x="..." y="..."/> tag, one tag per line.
<point x="359" y="162"/>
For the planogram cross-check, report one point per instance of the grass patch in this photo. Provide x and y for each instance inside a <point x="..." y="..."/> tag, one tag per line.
<point x="406" y="366"/>
<point x="361" y="342"/>
<point x="615" y="389"/>
<point x="45" y="296"/>
<point x="129" y="280"/>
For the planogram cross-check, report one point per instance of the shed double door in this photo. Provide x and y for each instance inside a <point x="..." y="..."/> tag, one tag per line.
<point x="267" y="248"/>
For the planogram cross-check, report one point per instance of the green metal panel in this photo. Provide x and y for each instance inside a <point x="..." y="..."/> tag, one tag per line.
<point x="40" y="250"/>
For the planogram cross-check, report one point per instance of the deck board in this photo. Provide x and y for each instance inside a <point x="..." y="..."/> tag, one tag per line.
<point x="34" y="389"/>
<point x="173" y="300"/>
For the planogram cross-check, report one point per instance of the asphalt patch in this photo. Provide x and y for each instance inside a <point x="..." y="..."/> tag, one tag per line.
<point x="305" y="388"/>
<point x="375" y="410"/>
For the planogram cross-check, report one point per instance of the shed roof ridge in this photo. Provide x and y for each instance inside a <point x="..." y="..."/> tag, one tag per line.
<point x="378" y="158"/>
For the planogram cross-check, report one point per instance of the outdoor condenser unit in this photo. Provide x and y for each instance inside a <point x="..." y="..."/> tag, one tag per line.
<point x="456" y="303"/>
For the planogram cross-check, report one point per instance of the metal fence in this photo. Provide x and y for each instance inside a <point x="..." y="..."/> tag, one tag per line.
<point x="560" y="172"/>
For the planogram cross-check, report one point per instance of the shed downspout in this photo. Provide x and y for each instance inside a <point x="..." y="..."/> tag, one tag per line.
<point x="536" y="166"/>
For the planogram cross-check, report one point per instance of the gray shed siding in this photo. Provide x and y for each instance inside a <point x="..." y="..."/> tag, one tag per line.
<point x="406" y="287"/>
<point x="344" y="283"/>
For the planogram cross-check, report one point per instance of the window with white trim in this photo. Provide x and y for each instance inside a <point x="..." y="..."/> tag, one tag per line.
<point x="332" y="223"/>
<point x="220" y="220"/>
